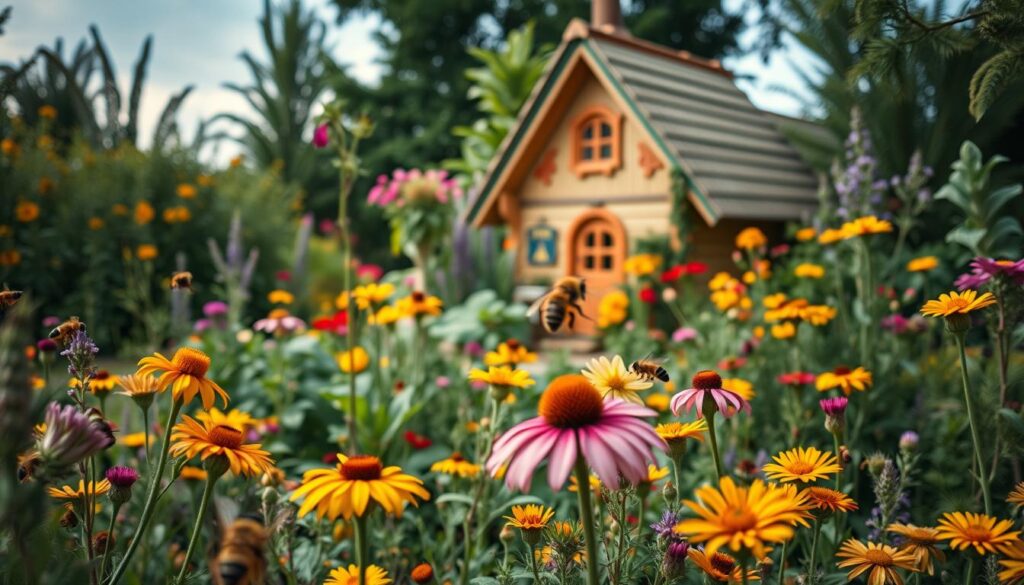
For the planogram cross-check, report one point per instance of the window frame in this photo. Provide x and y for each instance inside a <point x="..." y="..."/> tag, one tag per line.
<point x="595" y="115"/>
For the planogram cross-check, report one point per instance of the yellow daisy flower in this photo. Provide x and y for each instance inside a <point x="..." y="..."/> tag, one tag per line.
<point x="808" y="270"/>
<point x="805" y="465"/>
<point x="957" y="303"/>
<point x="923" y="264"/>
<point x="235" y="418"/>
<point x="280" y="297"/>
<point x="373" y="575"/>
<point x="986" y="534"/>
<point x="879" y="561"/>
<point x="921" y="541"/>
<point x="190" y="438"/>
<point x="530" y="518"/>
<point x="354" y="361"/>
<point x="347" y="489"/>
<point x="743" y="518"/>
<point x="751" y="238"/>
<point x="614" y="381"/>
<point x="456" y="465"/>
<point x="419" y="304"/>
<point x="509" y="353"/>
<point x="185" y="374"/>
<point x="865" y="226"/>
<point x="502" y="376"/>
<point x="845" y="379"/>
<point x="69" y="493"/>
<point x="642" y="264"/>
<point x="720" y="566"/>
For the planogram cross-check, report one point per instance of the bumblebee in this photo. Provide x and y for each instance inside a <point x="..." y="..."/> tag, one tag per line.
<point x="62" y="333"/>
<point x="241" y="559"/>
<point x="560" y="302"/>
<point x="650" y="370"/>
<point x="182" y="280"/>
<point x="8" y="297"/>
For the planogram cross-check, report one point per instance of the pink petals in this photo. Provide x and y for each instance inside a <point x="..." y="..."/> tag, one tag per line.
<point x="728" y="403"/>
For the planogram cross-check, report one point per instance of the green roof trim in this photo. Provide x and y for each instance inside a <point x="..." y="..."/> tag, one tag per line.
<point x="520" y="129"/>
<point x="702" y="199"/>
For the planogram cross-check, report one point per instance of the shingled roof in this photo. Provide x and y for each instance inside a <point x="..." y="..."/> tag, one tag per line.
<point x="734" y="156"/>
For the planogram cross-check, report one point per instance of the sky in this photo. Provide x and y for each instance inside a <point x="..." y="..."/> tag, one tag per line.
<point x="199" y="42"/>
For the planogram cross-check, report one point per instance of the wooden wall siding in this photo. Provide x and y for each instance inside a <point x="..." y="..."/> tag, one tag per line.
<point x="644" y="219"/>
<point x="733" y="152"/>
<point x="714" y="246"/>
<point x="628" y="180"/>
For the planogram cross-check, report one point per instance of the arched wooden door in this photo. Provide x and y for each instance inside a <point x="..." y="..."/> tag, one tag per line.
<point x="596" y="251"/>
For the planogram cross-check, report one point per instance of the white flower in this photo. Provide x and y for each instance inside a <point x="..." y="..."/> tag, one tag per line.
<point x="614" y="381"/>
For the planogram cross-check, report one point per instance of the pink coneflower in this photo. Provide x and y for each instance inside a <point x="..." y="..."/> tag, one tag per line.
<point x="985" y="269"/>
<point x="796" y="378"/>
<point x="215" y="309"/>
<point x="574" y="422"/>
<point x="707" y="384"/>
<point x="46" y="345"/>
<point x="896" y="323"/>
<point x="280" y="321"/>
<point x="684" y="334"/>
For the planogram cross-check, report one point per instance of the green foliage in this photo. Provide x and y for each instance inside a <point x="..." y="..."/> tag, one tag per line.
<point x="68" y="86"/>
<point x="986" y="230"/>
<point x="483" y="318"/>
<point x="998" y="23"/>
<point x="75" y="228"/>
<point x="500" y="87"/>
<point x="283" y="93"/>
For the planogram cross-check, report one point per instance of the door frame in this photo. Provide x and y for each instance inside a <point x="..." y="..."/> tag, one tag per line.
<point x="621" y="244"/>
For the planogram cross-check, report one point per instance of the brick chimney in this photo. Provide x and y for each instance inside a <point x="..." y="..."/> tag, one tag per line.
<point x="606" y="16"/>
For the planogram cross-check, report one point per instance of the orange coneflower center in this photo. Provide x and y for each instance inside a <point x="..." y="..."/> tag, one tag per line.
<point x="841" y="371"/>
<point x="278" y="314"/>
<point x="824" y="497"/>
<point x="418" y="296"/>
<point x="878" y="557"/>
<point x="571" y="402"/>
<point x="512" y="344"/>
<point x="191" y="361"/>
<point x="722" y="563"/>
<point x="1004" y="262"/>
<point x="739" y="520"/>
<point x="101" y="375"/>
<point x="457" y="457"/>
<point x="976" y="533"/>
<point x="799" y="467"/>
<point x="707" y="380"/>
<point x="362" y="467"/>
<point x="225" y="436"/>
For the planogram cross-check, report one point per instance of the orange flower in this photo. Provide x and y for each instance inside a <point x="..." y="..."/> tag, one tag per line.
<point x="186" y="373"/>
<point x="213" y="440"/>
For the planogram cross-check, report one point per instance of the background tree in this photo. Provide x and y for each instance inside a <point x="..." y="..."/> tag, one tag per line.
<point x="285" y="89"/>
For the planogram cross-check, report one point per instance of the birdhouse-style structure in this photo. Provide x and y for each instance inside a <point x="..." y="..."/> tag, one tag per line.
<point x="623" y="140"/>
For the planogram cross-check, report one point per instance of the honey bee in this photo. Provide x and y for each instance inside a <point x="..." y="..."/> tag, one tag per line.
<point x="62" y="333"/>
<point x="9" y="297"/>
<point x="649" y="370"/>
<point x="241" y="559"/>
<point x="182" y="280"/>
<point x="561" y="301"/>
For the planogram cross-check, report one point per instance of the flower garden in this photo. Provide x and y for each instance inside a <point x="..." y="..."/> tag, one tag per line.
<point x="244" y="397"/>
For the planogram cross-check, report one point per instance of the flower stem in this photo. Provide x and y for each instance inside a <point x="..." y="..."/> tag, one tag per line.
<point x="969" y="578"/>
<point x="782" y="563"/>
<point x="976" y="438"/>
<point x="154" y="490"/>
<point x="533" y="564"/>
<point x="110" y="540"/>
<point x="587" y="518"/>
<point x="713" y="439"/>
<point x="362" y="547"/>
<point x="145" y="428"/>
<point x="211" y="479"/>
<point x="467" y="525"/>
<point x="814" y="552"/>
<point x="743" y="572"/>
<point x="839" y="457"/>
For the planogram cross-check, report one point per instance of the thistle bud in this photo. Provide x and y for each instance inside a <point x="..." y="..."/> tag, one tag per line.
<point x="674" y="564"/>
<point x="507" y="535"/>
<point x="909" y="441"/>
<point x="121" y="480"/>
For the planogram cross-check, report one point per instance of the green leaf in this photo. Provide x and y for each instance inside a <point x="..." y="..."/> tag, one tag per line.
<point x="456" y="499"/>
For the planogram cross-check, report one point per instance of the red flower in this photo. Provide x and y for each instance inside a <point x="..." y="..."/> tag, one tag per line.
<point x="796" y="378"/>
<point x="417" y="441"/>
<point x="648" y="295"/>
<point x="369" y="273"/>
<point x="673" y="274"/>
<point x="693" y="268"/>
<point x="283" y="275"/>
<point x="780" y="250"/>
<point x="337" y="323"/>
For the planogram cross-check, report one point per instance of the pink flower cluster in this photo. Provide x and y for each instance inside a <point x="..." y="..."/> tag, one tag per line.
<point x="404" y="185"/>
<point x="984" y="269"/>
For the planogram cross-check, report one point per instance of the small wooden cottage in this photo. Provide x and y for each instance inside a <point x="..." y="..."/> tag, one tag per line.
<point x="624" y="139"/>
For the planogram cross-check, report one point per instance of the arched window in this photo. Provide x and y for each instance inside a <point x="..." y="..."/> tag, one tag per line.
<point x="596" y="142"/>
